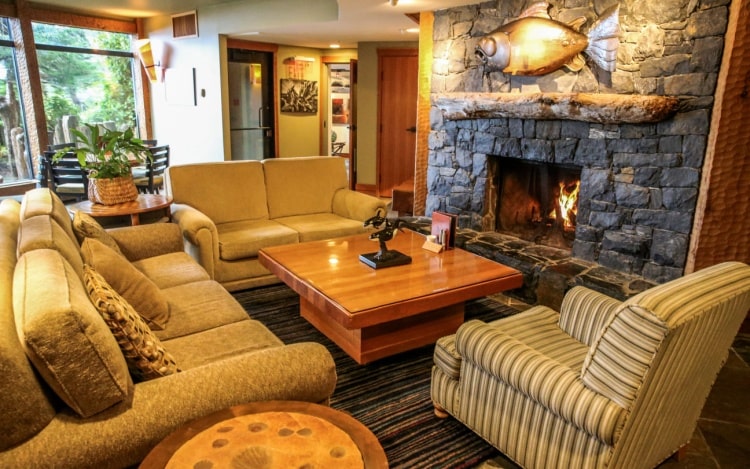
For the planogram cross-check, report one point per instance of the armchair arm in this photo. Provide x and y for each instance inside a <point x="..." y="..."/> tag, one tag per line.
<point x="144" y="241"/>
<point x="200" y="234"/>
<point x="356" y="205"/>
<point x="584" y="312"/>
<point x="542" y="379"/>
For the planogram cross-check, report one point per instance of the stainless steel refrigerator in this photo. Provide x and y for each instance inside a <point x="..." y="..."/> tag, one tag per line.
<point x="250" y="118"/>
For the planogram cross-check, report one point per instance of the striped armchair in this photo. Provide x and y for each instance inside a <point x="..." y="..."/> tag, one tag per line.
<point x="603" y="383"/>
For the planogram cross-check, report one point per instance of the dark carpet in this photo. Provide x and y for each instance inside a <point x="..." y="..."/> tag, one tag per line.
<point x="390" y="396"/>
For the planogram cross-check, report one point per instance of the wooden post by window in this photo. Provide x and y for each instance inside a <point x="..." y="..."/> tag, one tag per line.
<point x="29" y="81"/>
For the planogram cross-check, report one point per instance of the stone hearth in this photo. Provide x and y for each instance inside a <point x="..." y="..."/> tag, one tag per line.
<point x="639" y="181"/>
<point x="547" y="272"/>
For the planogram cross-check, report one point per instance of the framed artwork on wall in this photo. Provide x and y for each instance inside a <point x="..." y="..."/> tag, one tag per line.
<point x="300" y="96"/>
<point x="179" y="86"/>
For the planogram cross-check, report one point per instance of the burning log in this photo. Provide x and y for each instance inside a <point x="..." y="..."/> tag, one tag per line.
<point x="587" y="107"/>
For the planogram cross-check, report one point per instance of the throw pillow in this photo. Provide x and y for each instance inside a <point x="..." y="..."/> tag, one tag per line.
<point x="64" y="336"/>
<point x="143" y="351"/>
<point x="128" y="281"/>
<point x="85" y="226"/>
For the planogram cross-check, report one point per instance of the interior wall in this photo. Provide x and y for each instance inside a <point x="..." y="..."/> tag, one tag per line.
<point x="299" y="132"/>
<point x="199" y="132"/>
<point x="194" y="132"/>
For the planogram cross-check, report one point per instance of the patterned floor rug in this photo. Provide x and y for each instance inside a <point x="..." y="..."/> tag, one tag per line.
<point x="390" y="396"/>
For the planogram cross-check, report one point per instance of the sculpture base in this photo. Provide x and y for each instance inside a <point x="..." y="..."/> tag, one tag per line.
<point x="388" y="259"/>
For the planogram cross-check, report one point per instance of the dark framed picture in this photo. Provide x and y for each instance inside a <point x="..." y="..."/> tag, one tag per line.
<point x="299" y="96"/>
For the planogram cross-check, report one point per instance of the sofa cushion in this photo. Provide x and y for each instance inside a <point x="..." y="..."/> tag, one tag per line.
<point x="301" y="186"/>
<point x="242" y="184"/>
<point x="191" y="301"/>
<point x="43" y="232"/>
<point x="222" y="342"/>
<point x="43" y="201"/>
<point x="85" y="226"/>
<point x="243" y="239"/>
<point x="143" y="351"/>
<point x="537" y="327"/>
<point x="322" y="226"/>
<point x="168" y="270"/>
<point x="65" y="337"/>
<point x="128" y="281"/>
<point x="24" y="407"/>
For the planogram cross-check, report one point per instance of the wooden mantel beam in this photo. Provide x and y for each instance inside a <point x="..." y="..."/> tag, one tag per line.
<point x="587" y="107"/>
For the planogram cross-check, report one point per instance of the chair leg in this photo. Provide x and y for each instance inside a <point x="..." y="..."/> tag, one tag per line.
<point x="439" y="411"/>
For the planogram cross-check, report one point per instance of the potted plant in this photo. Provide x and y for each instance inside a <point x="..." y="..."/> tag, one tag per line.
<point x="108" y="156"/>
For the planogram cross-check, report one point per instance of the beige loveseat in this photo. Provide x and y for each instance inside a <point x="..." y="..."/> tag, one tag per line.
<point x="68" y="395"/>
<point x="228" y="211"/>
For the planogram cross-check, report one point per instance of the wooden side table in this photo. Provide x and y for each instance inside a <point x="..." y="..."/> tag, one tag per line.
<point x="145" y="203"/>
<point x="276" y="433"/>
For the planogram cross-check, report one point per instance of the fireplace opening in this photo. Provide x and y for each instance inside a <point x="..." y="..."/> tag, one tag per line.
<point x="538" y="202"/>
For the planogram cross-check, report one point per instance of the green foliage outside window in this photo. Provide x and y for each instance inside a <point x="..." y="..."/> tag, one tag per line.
<point x="93" y="87"/>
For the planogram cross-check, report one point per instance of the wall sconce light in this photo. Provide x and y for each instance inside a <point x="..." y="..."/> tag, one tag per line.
<point x="153" y="69"/>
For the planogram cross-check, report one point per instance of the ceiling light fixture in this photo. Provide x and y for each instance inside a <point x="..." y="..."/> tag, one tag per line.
<point x="334" y="45"/>
<point x="393" y="3"/>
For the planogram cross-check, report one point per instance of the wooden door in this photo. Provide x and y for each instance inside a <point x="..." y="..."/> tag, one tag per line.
<point x="397" y="118"/>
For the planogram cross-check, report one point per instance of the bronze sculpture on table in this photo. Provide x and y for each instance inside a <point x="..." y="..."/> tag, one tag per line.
<point x="387" y="230"/>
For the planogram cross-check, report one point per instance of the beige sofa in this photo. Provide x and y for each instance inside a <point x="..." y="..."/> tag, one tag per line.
<point x="68" y="396"/>
<point x="228" y="211"/>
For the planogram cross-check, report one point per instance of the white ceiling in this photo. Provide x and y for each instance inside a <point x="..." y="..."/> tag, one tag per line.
<point x="358" y="20"/>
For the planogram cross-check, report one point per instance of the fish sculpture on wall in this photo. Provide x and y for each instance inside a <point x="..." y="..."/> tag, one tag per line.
<point x="535" y="44"/>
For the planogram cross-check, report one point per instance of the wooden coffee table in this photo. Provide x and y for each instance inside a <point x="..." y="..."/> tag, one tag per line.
<point x="375" y="313"/>
<point x="145" y="203"/>
<point x="274" y="434"/>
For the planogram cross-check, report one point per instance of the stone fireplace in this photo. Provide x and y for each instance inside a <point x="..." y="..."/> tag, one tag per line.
<point x="639" y="181"/>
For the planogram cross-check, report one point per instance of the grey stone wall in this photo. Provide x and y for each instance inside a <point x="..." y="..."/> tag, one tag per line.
<point x="639" y="181"/>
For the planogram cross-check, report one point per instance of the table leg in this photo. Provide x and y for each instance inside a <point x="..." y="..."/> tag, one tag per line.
<point x="135" y="219"/>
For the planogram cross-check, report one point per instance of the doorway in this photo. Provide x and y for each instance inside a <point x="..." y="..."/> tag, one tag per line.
<point x="339" y="116"/>
<point x="398" y="70"/>
<point x="251" y="98"/>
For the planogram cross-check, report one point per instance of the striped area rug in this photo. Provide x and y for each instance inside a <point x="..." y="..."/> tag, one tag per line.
<point x="390" y="396"/>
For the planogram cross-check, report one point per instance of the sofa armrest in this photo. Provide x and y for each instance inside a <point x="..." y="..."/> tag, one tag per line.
<point x="200" y="234"/>
<point x="144" y="241"/>
<point x="542" y="379"/>
<point x="584" y="312"/>
<point x="356" y="205"/>
<point x="122" y="436"/>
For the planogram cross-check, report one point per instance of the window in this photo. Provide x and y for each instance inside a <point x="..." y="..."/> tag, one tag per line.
<point x="14" y="162"/>
<point x="87" y="78"/>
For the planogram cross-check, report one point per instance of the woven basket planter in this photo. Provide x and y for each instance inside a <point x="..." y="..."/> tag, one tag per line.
<point x="111" y="191"/>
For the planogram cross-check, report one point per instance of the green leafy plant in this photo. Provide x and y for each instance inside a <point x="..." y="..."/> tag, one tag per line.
<point x="106" y="154"/>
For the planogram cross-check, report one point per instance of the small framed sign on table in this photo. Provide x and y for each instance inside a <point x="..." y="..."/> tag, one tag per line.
<point x="444" y="229"/>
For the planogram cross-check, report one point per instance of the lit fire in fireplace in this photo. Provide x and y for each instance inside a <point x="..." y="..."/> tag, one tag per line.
<point x="567" y="205"/>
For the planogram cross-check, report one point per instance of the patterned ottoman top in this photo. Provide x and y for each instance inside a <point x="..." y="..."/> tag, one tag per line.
<point x="269" y="440"/>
